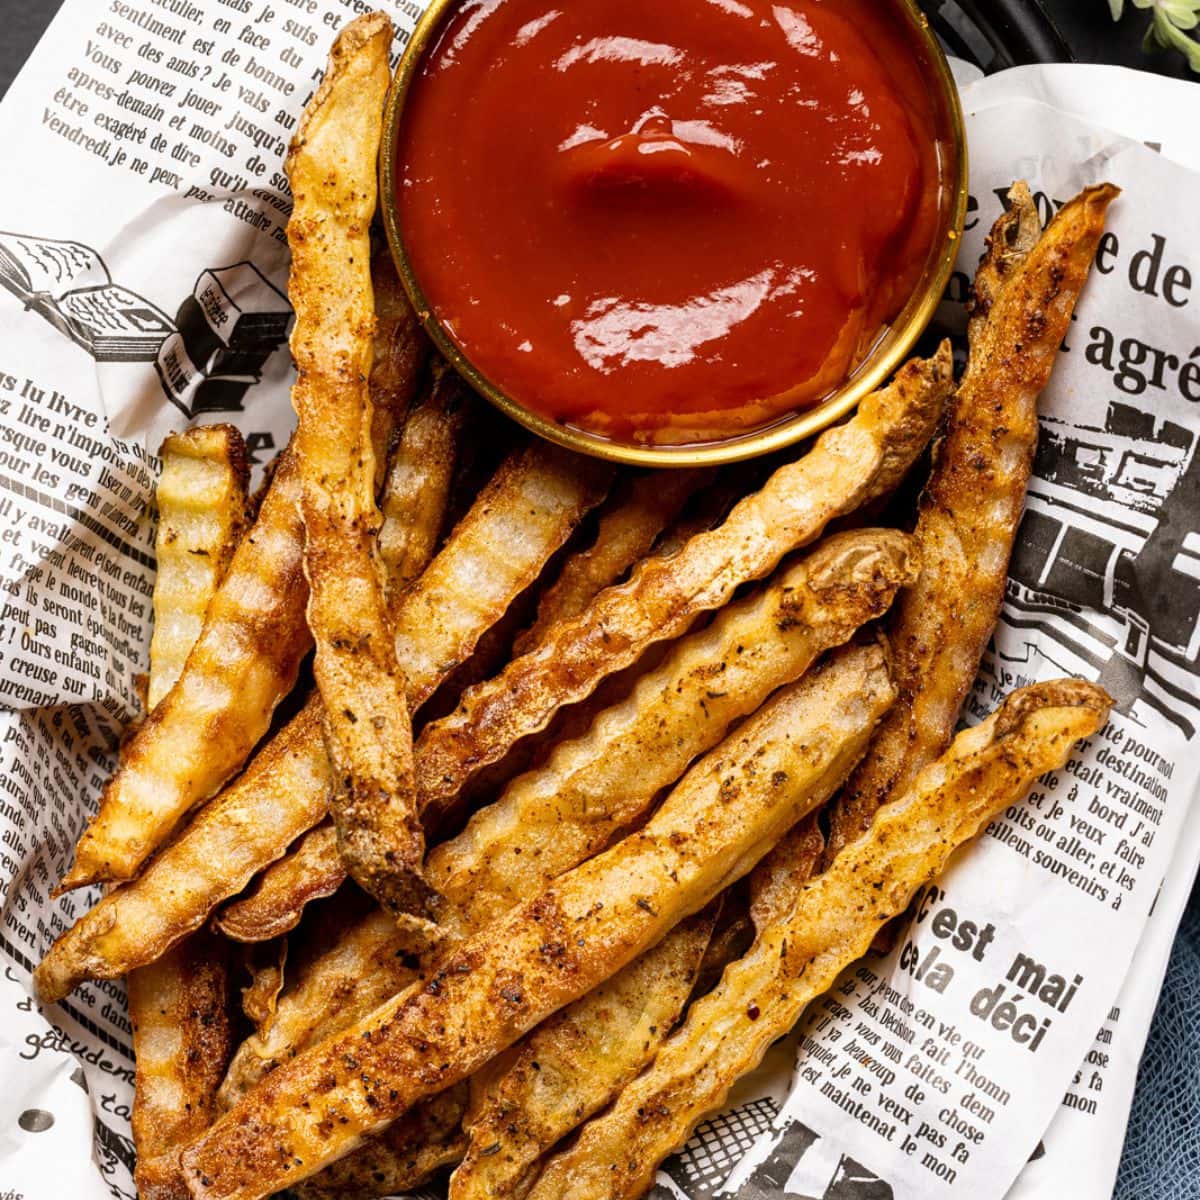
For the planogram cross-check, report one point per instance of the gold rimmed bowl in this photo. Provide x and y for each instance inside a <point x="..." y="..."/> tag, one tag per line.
<point x="889" y="351"/>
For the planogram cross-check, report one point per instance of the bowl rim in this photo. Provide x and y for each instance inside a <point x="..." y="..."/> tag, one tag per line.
<point x="888" y="354"/>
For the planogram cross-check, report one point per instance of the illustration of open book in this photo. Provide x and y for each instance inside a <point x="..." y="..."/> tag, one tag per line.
<point x="68" y="284"/>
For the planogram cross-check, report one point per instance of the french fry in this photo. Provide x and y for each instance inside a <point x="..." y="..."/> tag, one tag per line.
<point x="265" y="963"/>
<point x="971" y="507"/>
<point x="402" y="1158"/>
<point x="283" y="792"/>
<point x="490" y="990"/>
<point x="397" y="355"/>
<point x="311" y="870"/>
<point x="847" y="466"/>
<point x="416" y="493"/>
<point x="575" y="1063"/>
<point x="201" y="499"/>
<point x="589" y="789"/>
<point x="244" y="662"/>
<point x="331" y="167"/>
<point x="365" y="967"/>
<point x="812" y="930"/>
<point x="526" y="512"/>
<point x="628" y="529"/>
<point x="182" y="1036"/>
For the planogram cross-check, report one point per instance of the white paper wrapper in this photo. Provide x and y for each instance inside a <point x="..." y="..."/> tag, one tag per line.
<point x="143" y="264"/>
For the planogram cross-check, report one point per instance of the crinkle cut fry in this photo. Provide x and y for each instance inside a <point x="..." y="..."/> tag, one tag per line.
<point x="182" y="1038"/>
<point x="416" y="493"/>
<point x="283" y="792"/>
<point x="847" y="466"/>
<point x="368" y="964"/>
<point x="592" y="787"/>
<point x="812" y="930"/>
<point x="244" y="662"/>
<point x="216" y="862"/>
<point x="525" y="513"/>
<point x="331" y="167"/>
<point x="971" y="507"/>
<point x="311" y="870"/>
<point x="572" y="1065"/>
<point x="397" y="356"/>
<point x="202" y="506"/>
<point x="403" y="1157"/>
<point x="491" y="989"/>
<point x="628" y="528"/>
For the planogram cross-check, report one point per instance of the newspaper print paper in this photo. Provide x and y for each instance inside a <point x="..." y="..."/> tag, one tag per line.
<point x="143" y="268"/>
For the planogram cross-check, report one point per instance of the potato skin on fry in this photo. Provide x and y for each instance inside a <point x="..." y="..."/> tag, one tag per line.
<point x="811" y="930"/>
<point x="283" y="792"/>
<point x="489" y="991"/>
<point x="311" y="870"/>
<point x="592" y="787"/>
<point x="182" y="1037"/>
<point x="331" y="167"/>
<point x="244" y="662"/>
<point x="848" y="466"/>
<point x="969" y="512"/>
<point x="574" y="1063"/>
<point x="202" y="506"/>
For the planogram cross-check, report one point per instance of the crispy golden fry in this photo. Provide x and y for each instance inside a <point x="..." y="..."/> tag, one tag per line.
<point x="311" y="870"/>
<point x="243" y="663"/>
<point x="366" y="966"/>
<point x="419" y="476"/>
<point x="527" y="511"/>
<point x="812" y="930"/>
<point x="628" y="528"/>
<point x="282" y="793"/>
<point x="969" y="512"/>
<point x="179" y="1007"/>
<point x="575" y="1063"/>
<point x="331" y="168"/>
<point x="549" y="820"/>
<point x="403" y="1157"/>
<point x="201" y="499"/>
<point x="847" y="466"/>
<point x="489" y="991"/>
<point x="265" y="963"/>
<point x="397" y="356"/>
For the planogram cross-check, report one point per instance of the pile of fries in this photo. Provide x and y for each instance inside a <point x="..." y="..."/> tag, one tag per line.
<point x="593" y="780"/>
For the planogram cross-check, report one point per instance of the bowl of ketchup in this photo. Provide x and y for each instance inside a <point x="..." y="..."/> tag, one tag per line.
<point x="671" y="233"/>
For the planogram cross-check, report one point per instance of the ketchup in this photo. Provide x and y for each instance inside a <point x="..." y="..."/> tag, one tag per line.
<point x="669" y="220"/>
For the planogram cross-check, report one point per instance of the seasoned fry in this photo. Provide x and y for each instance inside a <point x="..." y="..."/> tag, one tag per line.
<point x="179" y="1007"/>
<point x="628" y="529"/>
<point x="847" y="466"/>
<point x="490" y="990"/>
<point x="419" y="476"/>
<point x="971" y="506"/>
<point x="397" y="355"/>
<point x="401" y="1158"/>
<point x="201" y="499"/>
<point x="331" y="168"/>
<point x="311" y="870"/>
<point x="576" y="1062"/>
<point x="812" y="930"/>
<point x="281" y="794"/>
<point x="527" y="511"/>
<point x="367" y="965"/>
<point x="243" y="663"/>
<point x="549" y="820"/>
<point x="265" y="963"/>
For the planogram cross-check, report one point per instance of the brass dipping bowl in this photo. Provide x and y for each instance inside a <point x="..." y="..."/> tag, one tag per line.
<point x="889" y="352"/>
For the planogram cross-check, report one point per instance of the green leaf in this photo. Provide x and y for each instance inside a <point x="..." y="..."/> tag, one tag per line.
<point x="1116" y="7"/>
